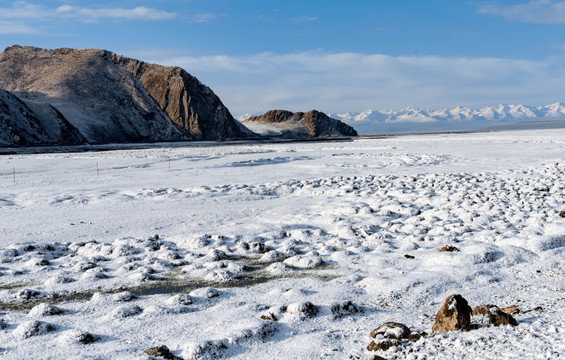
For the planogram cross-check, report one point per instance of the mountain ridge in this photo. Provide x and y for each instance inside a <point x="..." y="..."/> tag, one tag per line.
<point x="113" y="98"/>
<point x="459" y="117"/>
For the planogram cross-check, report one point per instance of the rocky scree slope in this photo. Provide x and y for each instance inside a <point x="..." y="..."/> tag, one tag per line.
<point x="287" y="124"/>
<point x="111" y="98"/>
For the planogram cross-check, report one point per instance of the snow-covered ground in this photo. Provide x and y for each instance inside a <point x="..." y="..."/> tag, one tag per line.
<point x="106" y="254"/>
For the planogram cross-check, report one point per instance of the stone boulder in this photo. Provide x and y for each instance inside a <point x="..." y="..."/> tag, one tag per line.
<point x="449" y="248"/>
<point x="383" y="344"/>
<point x="163" y="352"/>
<point x="392" y="330"/>
<point x="496" y="317"/>
<point x="388" y="335"/>
<point x="454" y="315"/>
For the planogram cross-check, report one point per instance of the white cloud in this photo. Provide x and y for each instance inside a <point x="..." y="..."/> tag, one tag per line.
<point x="21" y="10"/>
<point x="537" y="11"/>
<point x="305" y="18"/>
<point x="138" y="13"/>
<point x="15" y="28"/>
<point x="202" y="18"/>
<point x="352" y="82"/>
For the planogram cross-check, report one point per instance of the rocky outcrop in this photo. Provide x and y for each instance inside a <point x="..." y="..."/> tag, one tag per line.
<point x="287" y="124"/>
<point x="29" y="123"/>
<point x="111" y="98"/>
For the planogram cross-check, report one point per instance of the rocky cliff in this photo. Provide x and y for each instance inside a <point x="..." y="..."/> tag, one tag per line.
<point x="111" y="98"/>
<point x="32" y="123"/>
<point x="302" y="125"/>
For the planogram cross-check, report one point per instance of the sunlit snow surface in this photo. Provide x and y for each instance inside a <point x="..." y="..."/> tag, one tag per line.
<point x="267" y="229"/>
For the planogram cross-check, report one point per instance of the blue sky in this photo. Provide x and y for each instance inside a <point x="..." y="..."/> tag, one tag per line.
<point x="335" y="56"/>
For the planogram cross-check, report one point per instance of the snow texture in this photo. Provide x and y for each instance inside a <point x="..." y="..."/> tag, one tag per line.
<point x="106" y="254"/>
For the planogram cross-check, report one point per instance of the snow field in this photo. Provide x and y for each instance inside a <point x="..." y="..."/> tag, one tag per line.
<point x="284" y="251"/>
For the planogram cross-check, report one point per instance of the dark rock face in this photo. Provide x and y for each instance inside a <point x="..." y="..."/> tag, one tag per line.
<point x="35" y="124"/>
<point x="110" y="98"/>
<point x="309" y="124"/>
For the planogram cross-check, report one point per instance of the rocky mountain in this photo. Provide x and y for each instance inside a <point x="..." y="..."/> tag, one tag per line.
<point x="458" y="118"/>
<point x="112" y="98"/>
<point x="286" y="124"/>
<point x="32" y="123"/>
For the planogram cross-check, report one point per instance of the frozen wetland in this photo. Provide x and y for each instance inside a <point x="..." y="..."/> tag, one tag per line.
<point x="106" y="254"/>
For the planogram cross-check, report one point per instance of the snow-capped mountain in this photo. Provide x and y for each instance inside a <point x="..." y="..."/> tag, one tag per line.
<point x="457" y="118"/>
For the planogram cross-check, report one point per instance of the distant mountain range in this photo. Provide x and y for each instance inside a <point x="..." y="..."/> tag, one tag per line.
<point x="458" y="118"/>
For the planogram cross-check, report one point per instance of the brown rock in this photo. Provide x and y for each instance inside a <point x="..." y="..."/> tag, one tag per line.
<point x="498" y="317"/>
<point x="383" y="344"/>
<point x="449" y="248"/>
<point x="269" y="317"/>
<point x="482" y="309"/>
<point x="454" y="315"/>
<point x="513" y="309"/>
<point x="562" y="214"/>
<point x="162" y="351"/>
<point x="414" y="337"/>
<point x="392" y="330"/>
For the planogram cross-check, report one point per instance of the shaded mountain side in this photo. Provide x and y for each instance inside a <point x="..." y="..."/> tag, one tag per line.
<point x="288" y="124"/>
<point x="28" y="123"/>
<point x="190" y="104"/>
<point x="110" y="98"/>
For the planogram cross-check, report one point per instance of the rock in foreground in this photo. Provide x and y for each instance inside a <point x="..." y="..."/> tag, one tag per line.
<point x="496" y="317"/>
<point x="455" y="314"/>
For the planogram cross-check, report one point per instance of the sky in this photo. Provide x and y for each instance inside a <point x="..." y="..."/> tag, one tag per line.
<point x="331" y="55"/>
